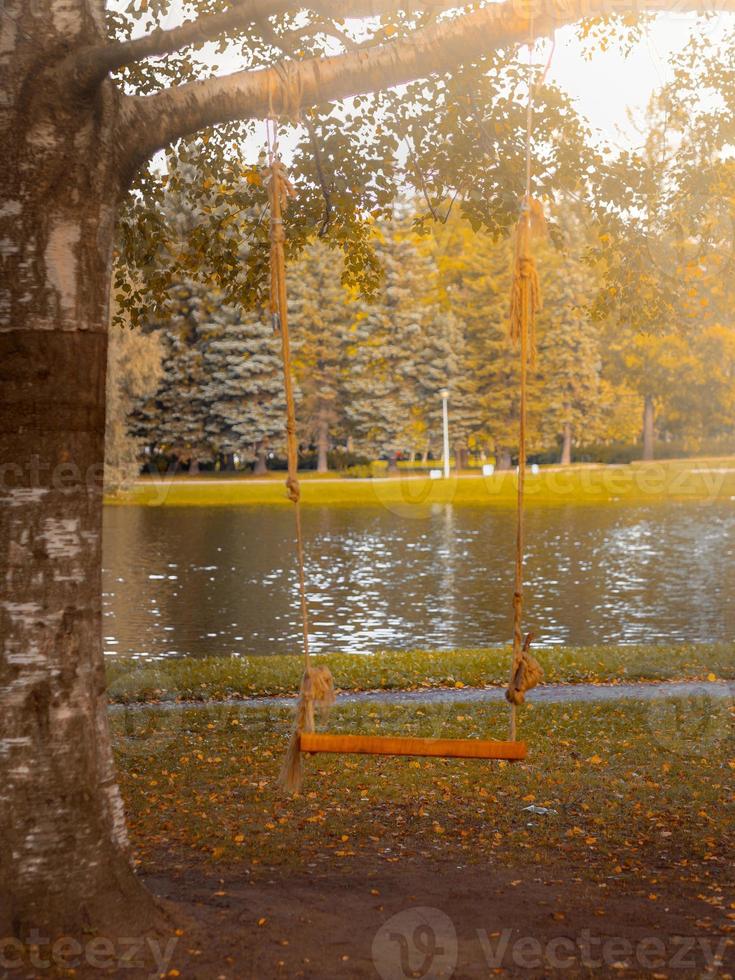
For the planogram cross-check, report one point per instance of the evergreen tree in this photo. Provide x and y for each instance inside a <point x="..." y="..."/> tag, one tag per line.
<point x="384" y="410"/>
<point x="475" y="272"/>
<point x="244" y="384"/>
<point x="173" y="421"/>
<point x="222" y="389"/>
<point x="320" y="311"/>
<point x="569" y="350"/>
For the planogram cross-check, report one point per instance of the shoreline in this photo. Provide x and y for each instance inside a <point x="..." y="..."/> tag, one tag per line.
<point x="696" y="479"/>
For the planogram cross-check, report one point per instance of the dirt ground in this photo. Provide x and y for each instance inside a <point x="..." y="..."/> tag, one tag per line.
<point x="433" y="919"/>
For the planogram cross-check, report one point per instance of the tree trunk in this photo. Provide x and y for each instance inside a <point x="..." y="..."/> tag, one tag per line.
<point x="65" y="862"/>
<point x="193" y="466"/>
<point x="649" y="418"/>
<point x="260" y="467"/>
<point x="502" y="458"/>
<point x="566" y="445"/>
<point x="322" y="440"/>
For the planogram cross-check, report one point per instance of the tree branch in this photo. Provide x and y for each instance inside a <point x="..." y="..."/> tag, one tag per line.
<point x="94" y="63"/>
<point x="152" y="122"/>
<point x="155" y="121"/>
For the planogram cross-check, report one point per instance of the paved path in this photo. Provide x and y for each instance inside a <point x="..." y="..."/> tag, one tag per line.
<point x="546" y="694"/>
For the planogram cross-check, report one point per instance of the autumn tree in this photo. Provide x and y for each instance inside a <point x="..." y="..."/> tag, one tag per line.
<point x="569" y="356"/>
<point x="665" y="235"/>
<point x="134" y="369"/>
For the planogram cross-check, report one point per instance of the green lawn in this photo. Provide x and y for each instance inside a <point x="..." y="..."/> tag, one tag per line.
<point x="190" y="679"/>
<point x="698" y="479"/>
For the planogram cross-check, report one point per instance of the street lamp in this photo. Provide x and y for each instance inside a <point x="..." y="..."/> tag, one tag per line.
<point x="445" y="422"/>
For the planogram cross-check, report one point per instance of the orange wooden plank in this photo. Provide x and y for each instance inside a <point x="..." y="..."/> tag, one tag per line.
<point x="452" y="748"/>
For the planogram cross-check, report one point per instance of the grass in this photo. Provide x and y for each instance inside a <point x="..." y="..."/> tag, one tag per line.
<point x="633" y="787"/>
<point x="190" y="679"/>
<point x="690" y="479"/>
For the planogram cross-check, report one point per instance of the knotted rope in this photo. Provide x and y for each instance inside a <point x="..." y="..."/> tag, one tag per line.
<point x="317" y="686"/>
<point x="525" y="302"/>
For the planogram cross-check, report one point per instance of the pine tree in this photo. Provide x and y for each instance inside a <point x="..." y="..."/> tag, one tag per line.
<point x="569" y="347"/>
<point x="384" y="411"/>
<point x="222" y="389"/>
<point x="475" y="273"/>
<point x="173" y="421"/>
<point x="320" y="312"/>
<point x="244" y="386"/>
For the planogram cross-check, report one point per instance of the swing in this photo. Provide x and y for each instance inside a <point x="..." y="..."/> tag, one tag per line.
<point x="317" y="687"/>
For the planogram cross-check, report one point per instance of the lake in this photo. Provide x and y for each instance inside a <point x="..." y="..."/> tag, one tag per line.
<point x="219" y="581"/>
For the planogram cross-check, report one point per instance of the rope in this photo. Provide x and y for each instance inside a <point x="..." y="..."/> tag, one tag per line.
<point x="524" y="305"/>
<point x="317" y="686"/>
<point x="279" y="191"/>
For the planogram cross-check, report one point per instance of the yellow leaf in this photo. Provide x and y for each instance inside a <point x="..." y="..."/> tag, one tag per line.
<point x="595" y="760"/>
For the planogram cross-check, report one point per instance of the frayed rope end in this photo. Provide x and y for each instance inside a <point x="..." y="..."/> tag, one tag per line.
<point x="316" y="691"/>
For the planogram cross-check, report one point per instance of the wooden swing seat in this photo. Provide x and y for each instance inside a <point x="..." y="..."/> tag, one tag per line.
<point x="449" y="748"/>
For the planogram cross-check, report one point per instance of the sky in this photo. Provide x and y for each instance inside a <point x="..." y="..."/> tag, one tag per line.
<point x="608" y="85"/>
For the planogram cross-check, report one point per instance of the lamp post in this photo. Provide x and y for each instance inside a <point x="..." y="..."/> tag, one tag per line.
<point x="445" y="423"/>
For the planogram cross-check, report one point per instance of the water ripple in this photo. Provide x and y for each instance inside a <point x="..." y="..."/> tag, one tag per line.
<point x="213" y="582"/>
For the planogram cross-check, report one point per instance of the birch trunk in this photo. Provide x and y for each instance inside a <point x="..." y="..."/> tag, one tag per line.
<point x="64" y="862"/>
